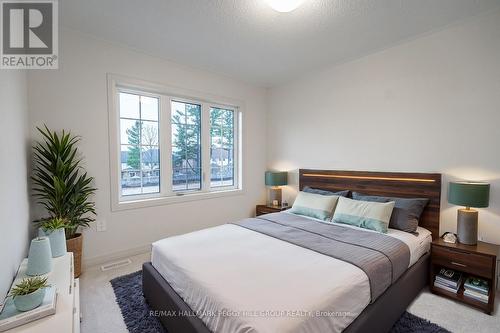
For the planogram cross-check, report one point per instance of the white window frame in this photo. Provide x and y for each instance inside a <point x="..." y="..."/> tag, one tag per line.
<point x="167" y="94"/>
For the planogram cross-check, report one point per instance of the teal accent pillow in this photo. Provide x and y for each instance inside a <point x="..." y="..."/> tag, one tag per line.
<point x="314" y="205"/>
<point x="406" y="213"/>
<point x="364" y="214"/>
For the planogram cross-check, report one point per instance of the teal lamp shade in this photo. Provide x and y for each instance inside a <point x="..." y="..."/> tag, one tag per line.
<point x="469" y="194"/>
<point x="274" y="178"/>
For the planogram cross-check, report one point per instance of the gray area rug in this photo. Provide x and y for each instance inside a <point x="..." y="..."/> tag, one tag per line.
<point x="135" y="311"/>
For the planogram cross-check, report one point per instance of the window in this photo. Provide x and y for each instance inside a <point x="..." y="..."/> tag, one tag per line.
<point x="221" y="147"/>
<point x="186" y="146"/>
<point x="139" y="141"/>
<point x="167" y="147"/>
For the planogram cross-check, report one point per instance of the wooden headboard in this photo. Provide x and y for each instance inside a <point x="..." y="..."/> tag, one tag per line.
<point x="394" y="184"/>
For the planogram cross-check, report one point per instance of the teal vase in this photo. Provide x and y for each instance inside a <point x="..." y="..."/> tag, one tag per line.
<point x="57" y="240"/>
<point x="30" y="301"/>
<point x="39" y="257"/>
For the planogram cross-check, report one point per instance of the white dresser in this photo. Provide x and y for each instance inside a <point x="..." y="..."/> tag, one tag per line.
<point x="67" y="316"/>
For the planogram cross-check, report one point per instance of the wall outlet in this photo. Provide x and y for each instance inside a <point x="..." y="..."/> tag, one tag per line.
<point x="101" y="225"/>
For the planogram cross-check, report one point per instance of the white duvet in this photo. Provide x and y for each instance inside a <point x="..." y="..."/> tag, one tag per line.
<point x="238" y="280"/>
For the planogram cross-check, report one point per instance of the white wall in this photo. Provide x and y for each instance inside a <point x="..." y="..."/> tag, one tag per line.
<point x="14" y="193"/>
<point x="75" y="98"/>
<point x="430" y="105"/>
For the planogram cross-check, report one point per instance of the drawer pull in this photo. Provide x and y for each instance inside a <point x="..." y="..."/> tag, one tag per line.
<point x="458" y="264"/>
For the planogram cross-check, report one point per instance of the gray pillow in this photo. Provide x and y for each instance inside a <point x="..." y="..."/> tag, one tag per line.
<point x="406" y="212"/>
<point x="323" y="192"/>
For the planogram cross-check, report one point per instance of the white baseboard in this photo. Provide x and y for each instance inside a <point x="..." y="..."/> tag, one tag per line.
<point x="99" y="260"/>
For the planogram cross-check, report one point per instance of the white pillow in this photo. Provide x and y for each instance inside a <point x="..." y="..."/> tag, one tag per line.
<point x="314" y="205"/>
<point x="364" y="214"/>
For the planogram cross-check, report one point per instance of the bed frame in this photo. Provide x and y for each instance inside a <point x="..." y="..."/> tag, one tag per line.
<point x="376" y="317"/>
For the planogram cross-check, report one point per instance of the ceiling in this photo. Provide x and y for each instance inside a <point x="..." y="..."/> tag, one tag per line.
<point x="247" y="40"/>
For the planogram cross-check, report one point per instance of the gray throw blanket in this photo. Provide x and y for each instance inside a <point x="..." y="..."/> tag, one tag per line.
<point x="383" y="258"/>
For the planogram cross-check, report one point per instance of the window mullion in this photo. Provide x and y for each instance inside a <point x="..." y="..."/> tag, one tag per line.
<point x="205" y="147"/>
<point x="140" y="145"/>
<point x="237" y="148"/>
<point x="165" y="118"/>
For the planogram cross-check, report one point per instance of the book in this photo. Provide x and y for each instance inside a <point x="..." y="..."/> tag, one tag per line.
<point x="477" y="284"/>
<point x="449" y="276"/>
<point x="10" y="317"/>
<point x="448" y="283"/>
<point x="476" y="296"/>
<point x="445" y="287"/>
<point x="480" y="291"/>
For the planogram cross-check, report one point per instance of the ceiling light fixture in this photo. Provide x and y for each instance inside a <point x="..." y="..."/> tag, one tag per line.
<point x="284" y="6"/>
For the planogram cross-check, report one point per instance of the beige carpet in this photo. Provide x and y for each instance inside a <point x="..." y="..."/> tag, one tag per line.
<point x="102" y="314"/>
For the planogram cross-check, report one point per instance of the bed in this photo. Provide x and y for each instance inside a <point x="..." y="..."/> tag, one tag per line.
<point x="214" y="279"/>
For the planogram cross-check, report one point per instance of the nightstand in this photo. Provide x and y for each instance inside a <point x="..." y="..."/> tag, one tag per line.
<point x="264" y="209"/>
<point x="472" y="260"/>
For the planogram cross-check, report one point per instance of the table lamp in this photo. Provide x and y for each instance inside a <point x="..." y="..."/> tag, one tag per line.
<point x="468" y="194"/>
<point x="275" y="179"/>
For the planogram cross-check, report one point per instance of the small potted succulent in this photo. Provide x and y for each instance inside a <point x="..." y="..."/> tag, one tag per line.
<point x="29" y="293"/>
<point x="54" y="229"/>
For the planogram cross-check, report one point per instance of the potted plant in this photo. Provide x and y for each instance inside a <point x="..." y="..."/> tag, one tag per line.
<point x="63" y="187"/>
<point x="29" y="293"/>
<point x="54" y="229"/>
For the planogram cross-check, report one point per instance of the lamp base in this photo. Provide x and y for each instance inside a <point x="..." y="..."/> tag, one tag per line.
<point x="275" y="196"/>
<point x="467" y="226"/>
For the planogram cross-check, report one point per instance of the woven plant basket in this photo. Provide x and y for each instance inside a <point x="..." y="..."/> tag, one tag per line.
<point x="75" y="245"/>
